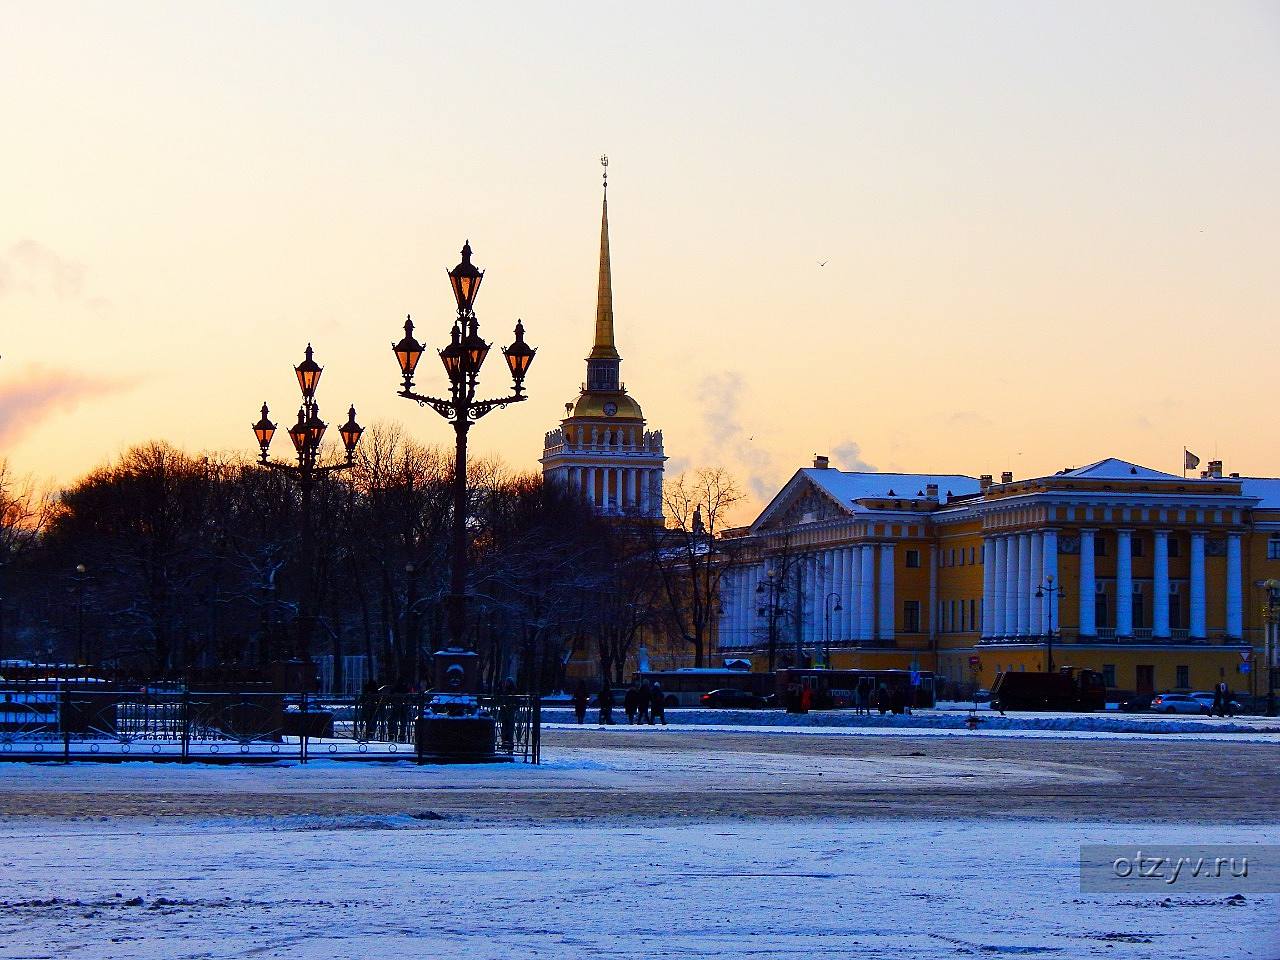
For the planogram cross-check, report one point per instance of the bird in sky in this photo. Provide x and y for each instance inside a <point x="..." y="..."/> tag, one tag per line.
<point x="822" y="263"/>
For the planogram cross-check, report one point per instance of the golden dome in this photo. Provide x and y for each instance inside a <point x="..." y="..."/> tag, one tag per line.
<point x="607" y="406"/>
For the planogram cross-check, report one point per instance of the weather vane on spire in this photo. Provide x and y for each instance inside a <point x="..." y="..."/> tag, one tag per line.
<point x="604" y="162"/>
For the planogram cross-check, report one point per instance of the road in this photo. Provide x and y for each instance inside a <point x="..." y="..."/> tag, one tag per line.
<point x="682" y="776"/>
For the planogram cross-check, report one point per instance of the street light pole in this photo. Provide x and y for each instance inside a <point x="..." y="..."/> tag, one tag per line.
<point x="1047" y="589"/>
<point x="462" y="359"/>
<point x="828" y="610"/>
<point x="81" y="570"/>
<point x="306" y="434"/>
<point x="1272" y="641"/>
<point x="772" y="585"/>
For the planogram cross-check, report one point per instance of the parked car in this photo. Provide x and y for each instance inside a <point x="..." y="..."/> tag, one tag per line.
<point x="1177" y="703"/>
<point x="1138" y="703"/>
<point x="1206" y="699"/>
<point x="727" y="697"/>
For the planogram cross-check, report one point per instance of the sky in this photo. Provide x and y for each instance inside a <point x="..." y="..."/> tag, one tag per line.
<point x="1049" y="230"/>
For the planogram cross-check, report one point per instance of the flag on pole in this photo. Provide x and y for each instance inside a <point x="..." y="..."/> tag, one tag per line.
<point x="1189" y="460"/>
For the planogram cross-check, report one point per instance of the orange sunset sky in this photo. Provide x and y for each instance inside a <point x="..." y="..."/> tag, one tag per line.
<point x="1050" y="232"/>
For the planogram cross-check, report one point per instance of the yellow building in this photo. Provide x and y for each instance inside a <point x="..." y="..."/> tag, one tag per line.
<point x="1151" y="579"/>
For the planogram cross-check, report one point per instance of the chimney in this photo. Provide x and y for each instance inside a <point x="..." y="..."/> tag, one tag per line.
<point x="931" y="491"/>
<point x="1006" y="477"/>
<point x="1215" y="469"/>
<point x="984" y="482"/>
<point x="820" y="462"/>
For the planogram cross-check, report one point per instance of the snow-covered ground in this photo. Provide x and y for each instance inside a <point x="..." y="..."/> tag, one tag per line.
<point x="398" y="887"/>
<point x="953" y="720"/>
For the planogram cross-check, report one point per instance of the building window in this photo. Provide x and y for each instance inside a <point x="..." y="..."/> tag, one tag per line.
<point x="1273" y="547"/>
<point x="1174" y="549"/>
<point x="913" y="559"/>
<point x="1099" y="546"/>
<point x="952" y="563"/>
<point x="1139" y="608"/>
<point x="1135" y="546"/>
<point x="971" y="555"/>
<point x="973" y="619"/>
<point x="982" y="555"/>
<point x="954" y="622"/>
<point x="1100" y="610"/>
<point x="1184" y="678"/>
<point x="1109" y="674"/>
<point x="911" y="616"/>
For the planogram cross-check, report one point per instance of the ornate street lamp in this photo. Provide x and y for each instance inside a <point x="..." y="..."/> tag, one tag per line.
<point x="307" y="434"/>
<point x="462" y="358"/>
<point x="1047" y="589"/>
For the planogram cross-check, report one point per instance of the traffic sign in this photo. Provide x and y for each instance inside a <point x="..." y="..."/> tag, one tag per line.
<point x="974" y="661"/>
<point x="1245" y="655"/>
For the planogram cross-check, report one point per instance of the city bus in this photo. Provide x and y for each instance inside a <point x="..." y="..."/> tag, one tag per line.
<point x="838" y="688"/>
<point x="685" y="686"/>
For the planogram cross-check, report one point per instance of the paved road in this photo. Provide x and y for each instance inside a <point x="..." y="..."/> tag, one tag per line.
<point x="672" y="775"/>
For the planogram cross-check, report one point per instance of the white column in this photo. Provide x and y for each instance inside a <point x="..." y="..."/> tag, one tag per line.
<point x="1050" y="568"/>
<point x="837" y="587"/>
<point x="886" y="591"/>
<point x="1088" y="587"/>
<point x="867" y="606"/>
<point x="999" y="559"/>
<point x="1035" y="626"/>
<point x="642" y="491"/>
<point x="618" y="489"/>
<point x="1024" y="584"/>
<point x="591" y="484"/>
<point x="1124" y="583"/>
<point x="1198" y="631"/>
<point x="1235" y="601"/>
<point x="1160" y="583"/>
<point x="1011" y="585"/>
<point x="988" y="588"/>
<point x="855" y="594"/>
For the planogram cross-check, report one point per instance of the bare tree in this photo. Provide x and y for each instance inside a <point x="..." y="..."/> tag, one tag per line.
<point x="689" y="557"/>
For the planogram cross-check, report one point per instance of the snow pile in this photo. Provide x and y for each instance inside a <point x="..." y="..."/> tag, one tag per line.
<point x="925" y="720"/>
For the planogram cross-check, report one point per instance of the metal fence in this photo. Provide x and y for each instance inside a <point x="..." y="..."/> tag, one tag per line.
<point x="71" y="723"/>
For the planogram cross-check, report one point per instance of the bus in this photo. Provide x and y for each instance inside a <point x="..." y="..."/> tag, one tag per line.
<point x="838" y="688"/>
<point x="685" y="686"/>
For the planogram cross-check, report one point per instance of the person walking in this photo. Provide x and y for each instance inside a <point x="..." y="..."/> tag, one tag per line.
<point x="657" y="705"/>
<point x="631" y="702"/>
<point x="606" y="707"/>
<point x="642" y="703"/>
<point x="580" y="701"/>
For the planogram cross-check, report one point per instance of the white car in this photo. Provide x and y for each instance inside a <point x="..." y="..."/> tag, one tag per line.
<point x="1206" y="700"/>
<point x="1177" y="703"/>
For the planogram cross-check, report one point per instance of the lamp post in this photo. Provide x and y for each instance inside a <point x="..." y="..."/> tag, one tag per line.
<point x="828" y="610"/>
<point x="775" y="587"/>
<point x="1047" y="589"/>
<point x="1270" y="647"/>
<point x="462" y="358"/>
<point x="307" y="434"/>
<point x="81" y="570"/>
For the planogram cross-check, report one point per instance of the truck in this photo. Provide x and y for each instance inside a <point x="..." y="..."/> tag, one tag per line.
<point x="1067" y="689"/>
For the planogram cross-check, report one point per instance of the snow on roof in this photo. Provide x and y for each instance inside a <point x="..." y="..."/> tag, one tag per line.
<point x="1266" y="489"/>
<point x="848" y="485"/>
<point x="1114" y="468"/>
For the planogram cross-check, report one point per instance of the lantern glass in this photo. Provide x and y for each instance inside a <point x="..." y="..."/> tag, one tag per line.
<point x="465" y="280"/>
<point x="474" y="351"/>
<point x="315" y="430"/>
<point x="308" y="372"/>
<point x="408" y="350"/>
<point x="519" y="355"/>
<point x="298" y="434"/>
<point x="264" y="430"/>
<point x="350" y="432"/>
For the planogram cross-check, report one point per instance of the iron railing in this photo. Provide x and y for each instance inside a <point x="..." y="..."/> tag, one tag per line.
<point x="39" y="722"/>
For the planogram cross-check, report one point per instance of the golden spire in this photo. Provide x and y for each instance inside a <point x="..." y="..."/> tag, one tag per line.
<point x="604" y="348"/>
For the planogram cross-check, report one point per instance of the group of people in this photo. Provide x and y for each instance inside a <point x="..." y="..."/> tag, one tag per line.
<point x="642" y="703"/>
<point x="883" y="698"/>
<point x="1223" y="705"/>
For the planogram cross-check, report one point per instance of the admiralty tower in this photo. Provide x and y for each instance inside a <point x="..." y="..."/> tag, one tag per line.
<point x="601" y="447"/>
